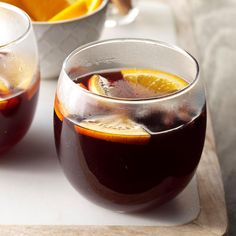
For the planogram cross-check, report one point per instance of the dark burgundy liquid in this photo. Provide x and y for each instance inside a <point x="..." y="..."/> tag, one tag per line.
<point x="114" y="174"/>
<point x="16" y="116"/>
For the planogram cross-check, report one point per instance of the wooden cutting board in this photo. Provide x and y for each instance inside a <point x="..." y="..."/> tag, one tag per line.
<point x="211" y="220"/>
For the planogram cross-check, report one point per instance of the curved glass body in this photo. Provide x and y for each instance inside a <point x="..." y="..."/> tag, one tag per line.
<point x="19" y="75"/>
<point x="128" y="176"/>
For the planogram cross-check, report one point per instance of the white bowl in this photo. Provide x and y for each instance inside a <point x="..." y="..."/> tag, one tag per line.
<point x="57" y="39"/>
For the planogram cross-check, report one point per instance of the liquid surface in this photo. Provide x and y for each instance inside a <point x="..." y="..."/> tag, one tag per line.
<point x="133" y="83"/>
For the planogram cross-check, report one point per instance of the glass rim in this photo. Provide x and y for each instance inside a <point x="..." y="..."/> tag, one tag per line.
<point x="135" y="100"/>
<point x="22" y="14"/>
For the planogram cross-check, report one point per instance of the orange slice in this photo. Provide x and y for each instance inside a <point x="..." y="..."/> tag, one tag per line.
<point x="59" y="109"/>
<point x="43" y="10"/>
<point x="155" y="82"/>
<point x="113" y="128"/>
<point x="79" y="8"/>
<point x="92" y="5"/>
<point x="99" y="85"/>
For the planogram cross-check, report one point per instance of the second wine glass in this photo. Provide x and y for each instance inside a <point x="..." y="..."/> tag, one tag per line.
<point x="19" y="75"/>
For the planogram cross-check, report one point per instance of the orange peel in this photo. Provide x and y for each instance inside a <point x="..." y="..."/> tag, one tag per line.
<point x="113" y="128"/>
<point x="59" y="109"/>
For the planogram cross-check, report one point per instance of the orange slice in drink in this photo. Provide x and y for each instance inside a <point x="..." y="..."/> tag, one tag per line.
<point x="113" y="128"/>
<point x="137" y="83"/>
<point x="155" y="82"/>
<point x="59" y="109"/>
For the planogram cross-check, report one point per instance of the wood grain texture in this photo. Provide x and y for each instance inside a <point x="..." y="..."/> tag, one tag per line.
<point x="212" y="220"/>
<point x="186" y="230"/>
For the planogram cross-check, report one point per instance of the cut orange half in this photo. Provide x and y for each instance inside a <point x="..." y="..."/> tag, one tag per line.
<point x="113" y="128"/>
<point x="77" y="9"/>
<point x="154" y="82"/>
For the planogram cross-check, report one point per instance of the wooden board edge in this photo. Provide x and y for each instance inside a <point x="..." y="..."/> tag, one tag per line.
<point x="92" y="230"/>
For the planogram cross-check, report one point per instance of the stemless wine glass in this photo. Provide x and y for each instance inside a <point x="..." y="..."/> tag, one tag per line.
<point x="19" y="75"/>
<point x="125" y="154"/>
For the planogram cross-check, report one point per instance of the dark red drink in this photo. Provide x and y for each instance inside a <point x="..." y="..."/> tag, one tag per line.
<point x="19" y="75"/>
<point x="130" y="157"/>
<point x="17" y="109"/>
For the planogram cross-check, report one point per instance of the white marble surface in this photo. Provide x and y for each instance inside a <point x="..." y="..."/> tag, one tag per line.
<point x="215" y="30"/>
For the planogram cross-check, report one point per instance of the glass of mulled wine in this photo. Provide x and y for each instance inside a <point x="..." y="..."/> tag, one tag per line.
<point x="19" y="75"/>
<point x="129" y="122"/>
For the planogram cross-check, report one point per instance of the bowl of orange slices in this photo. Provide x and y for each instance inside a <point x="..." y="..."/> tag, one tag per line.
<point x="61" y="26"/>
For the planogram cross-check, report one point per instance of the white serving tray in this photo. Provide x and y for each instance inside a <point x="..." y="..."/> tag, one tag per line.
<point x="33" y="189"/>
